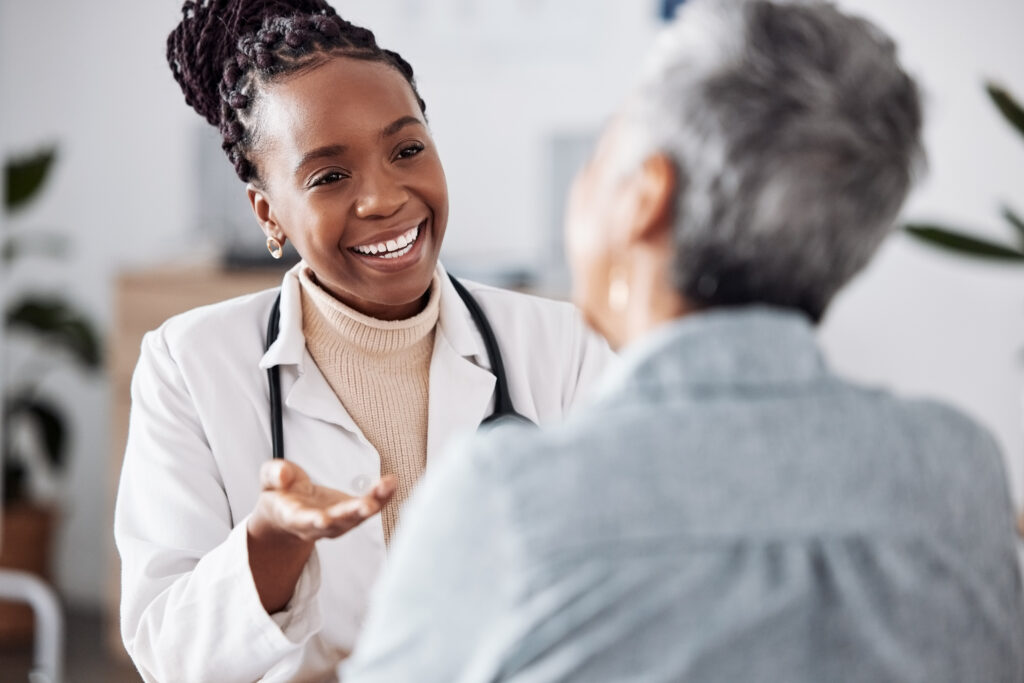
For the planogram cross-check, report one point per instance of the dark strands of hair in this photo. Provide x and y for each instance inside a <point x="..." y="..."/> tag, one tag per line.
<point x="223" y="51"/>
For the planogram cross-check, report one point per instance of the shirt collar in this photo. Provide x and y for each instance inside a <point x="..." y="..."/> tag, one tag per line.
<point x="735" y="346"/>
<point x="454" y="321"/>
<point x="290" y="345"/>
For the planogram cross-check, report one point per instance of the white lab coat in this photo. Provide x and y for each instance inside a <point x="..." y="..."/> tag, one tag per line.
<point x="200" y="430"/>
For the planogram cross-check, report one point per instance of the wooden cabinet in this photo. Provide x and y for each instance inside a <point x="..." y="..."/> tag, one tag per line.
<point x="143" y="300"/>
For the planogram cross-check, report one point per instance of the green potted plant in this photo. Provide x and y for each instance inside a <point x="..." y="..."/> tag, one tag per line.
<point x="964" y="243"/>
<point x="49" y="332"/>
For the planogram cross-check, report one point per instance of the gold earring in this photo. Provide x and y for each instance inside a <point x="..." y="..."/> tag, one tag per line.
<point x="274" y="247"/>
<point x="618" y="290"/>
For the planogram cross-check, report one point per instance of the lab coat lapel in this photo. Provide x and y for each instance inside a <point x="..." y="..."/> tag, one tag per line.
<point x="303" y="386"/>
<point x="313" y="396"/>
<point x="461" y="391"/>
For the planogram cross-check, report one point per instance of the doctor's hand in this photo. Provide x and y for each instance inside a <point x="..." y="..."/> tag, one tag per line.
<point x="293" y="504"/>
<point x="292" y="513"/>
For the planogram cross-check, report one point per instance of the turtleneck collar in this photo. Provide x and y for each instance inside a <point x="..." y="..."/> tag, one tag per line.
<point x="325" y="317"/>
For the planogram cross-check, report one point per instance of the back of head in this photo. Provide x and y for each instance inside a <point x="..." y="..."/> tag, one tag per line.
<point x="223" y="52"/>
<point x="795" y="134"/>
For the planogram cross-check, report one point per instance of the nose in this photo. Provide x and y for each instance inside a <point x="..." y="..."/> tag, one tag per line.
<point x="380" y="195"/>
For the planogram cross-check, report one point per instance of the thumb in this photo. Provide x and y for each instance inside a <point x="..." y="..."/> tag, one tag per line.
<point x="280" y="475"/>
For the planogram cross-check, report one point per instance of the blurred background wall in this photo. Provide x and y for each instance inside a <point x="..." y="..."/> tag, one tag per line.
<point x="515" y="89"/>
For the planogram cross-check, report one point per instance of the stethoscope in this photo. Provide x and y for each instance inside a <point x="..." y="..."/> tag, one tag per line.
<point x="504" y="411"/>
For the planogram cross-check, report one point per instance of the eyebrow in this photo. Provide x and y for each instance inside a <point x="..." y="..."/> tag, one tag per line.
<point x="398" y="125"/>
<point x="319" y="153"/>
<point x="335" y="150"/>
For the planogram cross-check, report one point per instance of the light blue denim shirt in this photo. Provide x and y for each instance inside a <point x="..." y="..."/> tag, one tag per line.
<point x="728" y="510"/>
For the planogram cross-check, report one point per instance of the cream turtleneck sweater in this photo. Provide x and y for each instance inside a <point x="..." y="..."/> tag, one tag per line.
<point x="380" y="371"/>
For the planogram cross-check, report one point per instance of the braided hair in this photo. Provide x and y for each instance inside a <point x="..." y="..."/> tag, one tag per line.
<point x="224" y="51"/>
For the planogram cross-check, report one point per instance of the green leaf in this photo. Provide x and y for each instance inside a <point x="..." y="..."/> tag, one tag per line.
<point x="1014" y="220"/>
<point x="57" y="323"/>
<point x="963" y="244"/>
<point x="45" y="244"/>
<point x="48" y="419"/>
<point x="23" y="178"/>
<point x="1010" y="109"/>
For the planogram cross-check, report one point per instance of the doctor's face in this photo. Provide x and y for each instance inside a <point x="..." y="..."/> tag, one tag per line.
<point x="352" y="178"/>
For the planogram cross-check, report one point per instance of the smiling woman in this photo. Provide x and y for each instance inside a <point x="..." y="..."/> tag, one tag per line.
<point x="347" y="178"/>
<point x="227" y="572"/>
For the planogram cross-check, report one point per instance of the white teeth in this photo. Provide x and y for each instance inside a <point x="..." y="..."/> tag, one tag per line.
<point x="392" y="248"/>
<point x="400" y="252"/>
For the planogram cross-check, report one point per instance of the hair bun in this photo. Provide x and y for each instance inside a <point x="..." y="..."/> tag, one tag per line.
<point x="207" y="36"/>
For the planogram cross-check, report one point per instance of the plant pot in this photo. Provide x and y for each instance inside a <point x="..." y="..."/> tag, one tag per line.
<point x="26" y="544"/>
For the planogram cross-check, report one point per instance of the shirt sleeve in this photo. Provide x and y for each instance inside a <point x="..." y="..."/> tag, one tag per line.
<point x="436" y="614"/>
<point x="189" y="608"/>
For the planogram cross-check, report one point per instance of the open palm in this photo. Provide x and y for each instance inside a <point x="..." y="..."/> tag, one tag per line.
<point x="291" y="502"/>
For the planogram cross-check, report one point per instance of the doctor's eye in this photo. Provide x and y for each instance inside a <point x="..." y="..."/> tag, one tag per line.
<point x="328" y="178"/>
<point x="409" y="151"/>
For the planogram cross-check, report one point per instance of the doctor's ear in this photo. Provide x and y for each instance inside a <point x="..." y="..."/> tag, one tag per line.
<point x="260" y="203"/>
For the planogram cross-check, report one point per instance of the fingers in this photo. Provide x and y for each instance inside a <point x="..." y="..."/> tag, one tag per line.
<point x="272" y="475"/>
<point x="358" y="510"/>
<point x="312" y="512"/>
<point x="305" y="520"/>
<point x="384" y="489"/>
<point x="345" y="515"/>
<point x="280" y="475"/>
<point x="339" y="519"/>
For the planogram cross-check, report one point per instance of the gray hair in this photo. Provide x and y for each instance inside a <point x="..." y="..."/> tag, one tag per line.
<point x="795" y="134"/>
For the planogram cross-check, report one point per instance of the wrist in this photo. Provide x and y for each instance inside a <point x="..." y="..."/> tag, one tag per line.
<point x="276" y="559"/>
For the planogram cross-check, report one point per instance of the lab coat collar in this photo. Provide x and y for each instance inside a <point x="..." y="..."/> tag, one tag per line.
<point x="454" y="320"/>
<point x="290" y="346"/>
<point x="457" y="323"/>
<point x="461" y="385"/>
<point x="303" y="386"/>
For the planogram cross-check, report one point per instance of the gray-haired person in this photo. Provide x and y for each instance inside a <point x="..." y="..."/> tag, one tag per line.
<point x="728" y="510"/>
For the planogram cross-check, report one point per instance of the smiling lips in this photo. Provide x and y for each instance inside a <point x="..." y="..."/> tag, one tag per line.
<point x="399" y="246"/>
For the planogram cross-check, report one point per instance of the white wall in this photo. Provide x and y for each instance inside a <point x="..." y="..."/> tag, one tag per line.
<point x="534" y="69"/>
<point x="919" y="320"/>
<point x="3" y="267"/>
<point x="93" y="78"/>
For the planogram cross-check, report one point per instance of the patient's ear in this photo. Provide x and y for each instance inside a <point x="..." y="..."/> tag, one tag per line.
<point x="653" y="190"/>
<point x="261" y="207"/>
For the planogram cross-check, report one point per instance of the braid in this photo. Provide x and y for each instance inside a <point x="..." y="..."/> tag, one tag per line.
<point x="223" y="52"/>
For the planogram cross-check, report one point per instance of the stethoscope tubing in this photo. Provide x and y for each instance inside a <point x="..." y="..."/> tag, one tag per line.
<point x="503" y="407"/>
